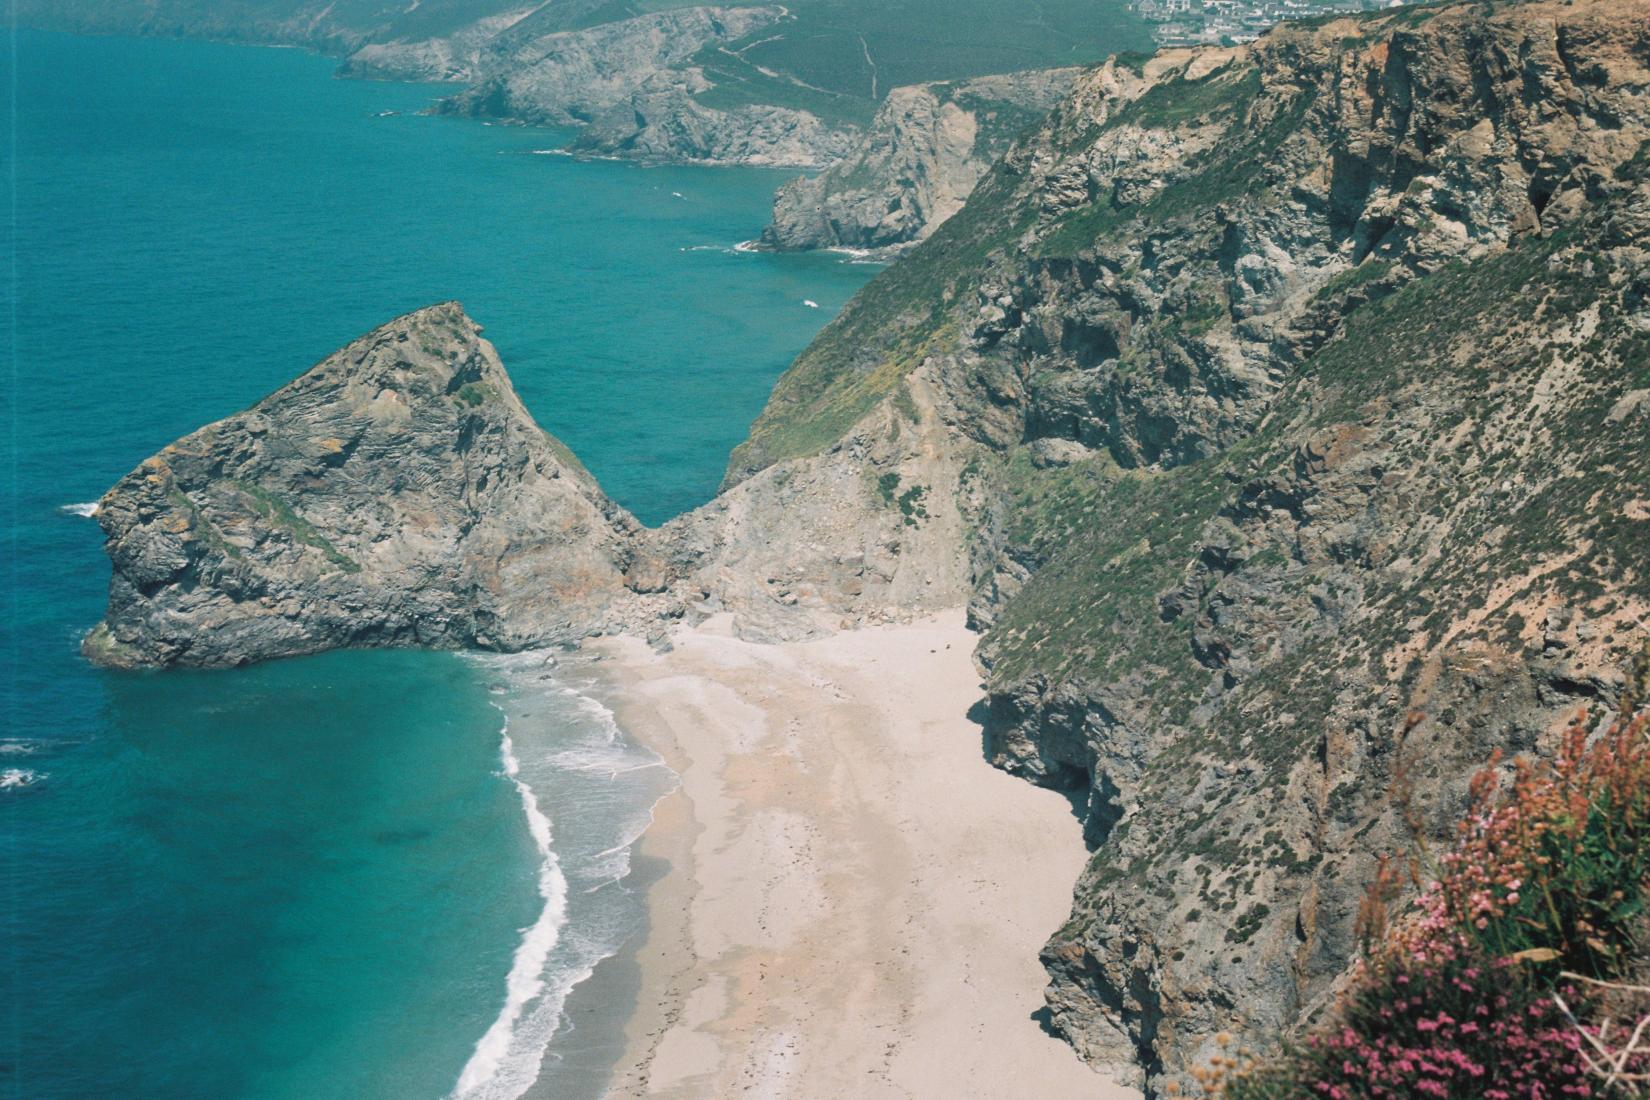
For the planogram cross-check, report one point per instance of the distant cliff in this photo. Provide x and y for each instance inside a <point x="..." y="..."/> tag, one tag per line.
<point x="324" y="25"/>
<point x="916" y="166"/>
<point x="633" y="85"/>
<point x="1279" y="411"/>
<point x="790" y="85"/>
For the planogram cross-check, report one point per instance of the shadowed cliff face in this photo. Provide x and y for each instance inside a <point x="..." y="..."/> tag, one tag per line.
<point x="396" y="494"/>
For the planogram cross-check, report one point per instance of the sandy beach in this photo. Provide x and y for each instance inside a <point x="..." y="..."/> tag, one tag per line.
<point x="852" y="900"/>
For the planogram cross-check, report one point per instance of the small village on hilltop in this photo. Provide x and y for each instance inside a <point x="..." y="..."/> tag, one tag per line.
<point x="1233" y="22"/>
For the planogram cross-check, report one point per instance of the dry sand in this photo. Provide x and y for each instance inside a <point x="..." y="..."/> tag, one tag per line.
<point x="855" y="899"/>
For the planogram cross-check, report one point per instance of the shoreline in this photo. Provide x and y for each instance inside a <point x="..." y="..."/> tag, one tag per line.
<point x="850" y="900"/>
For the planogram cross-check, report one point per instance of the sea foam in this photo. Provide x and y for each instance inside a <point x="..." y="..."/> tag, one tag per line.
<point x="86" y="511"/>
<point x="15" y="779"/>
<point x="563" y="750"/>
<point x="526" y="980"/>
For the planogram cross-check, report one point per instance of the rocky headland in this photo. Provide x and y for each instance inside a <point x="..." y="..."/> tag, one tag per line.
<point x="1278" y="412"/>
<point x="632" y="86"/>
<point x="676" y="84"/>
<point x="396" y="494"/>
<point x="917" y="164"/>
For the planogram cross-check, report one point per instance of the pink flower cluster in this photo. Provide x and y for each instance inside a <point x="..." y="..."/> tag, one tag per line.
<point x="1447" y="1030"/>
<point x="1455" y="1000"/>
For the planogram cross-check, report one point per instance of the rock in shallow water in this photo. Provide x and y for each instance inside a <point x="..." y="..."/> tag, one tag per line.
<point x="396" y="493"/>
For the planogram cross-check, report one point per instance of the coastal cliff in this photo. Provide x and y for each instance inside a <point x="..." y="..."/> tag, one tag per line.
<point x="792" y="86"/>
<point x="1303" y="388"/>
<point x="431" y="39"/>
<point x="396" y="494"/>
<point x="633" y="87"/>
<point x="927" y="148"/>
<point x="1278" y="411"/>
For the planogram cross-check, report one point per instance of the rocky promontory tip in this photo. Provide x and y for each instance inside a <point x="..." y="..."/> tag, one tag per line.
<point x="396" y="494"/>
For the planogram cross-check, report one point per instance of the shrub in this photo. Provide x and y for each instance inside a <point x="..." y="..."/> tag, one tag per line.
<point x="1499" y="981"/>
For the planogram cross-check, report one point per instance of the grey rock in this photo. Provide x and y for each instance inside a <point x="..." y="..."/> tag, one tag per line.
<point x="927" y="148"/>
<point x="1279" y="411"/>
<point x="632" y="87"/>
<point x="396" y="494"/>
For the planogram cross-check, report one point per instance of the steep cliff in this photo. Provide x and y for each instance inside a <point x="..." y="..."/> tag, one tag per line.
<point x="396" y="494"/>
<point x="1303" y="391"/>
<point x="915" y="167"/>
<point x="633" y="85"/>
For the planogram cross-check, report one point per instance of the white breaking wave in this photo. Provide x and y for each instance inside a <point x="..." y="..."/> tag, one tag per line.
<point x="87" y="510"/>
<point x="13" y="779"/>
<point x="810" y="303"/>
<point x="494" y="1058"/>
<point x="566" y="747"/>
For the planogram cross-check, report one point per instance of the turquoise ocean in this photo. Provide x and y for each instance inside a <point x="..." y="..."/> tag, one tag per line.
<point x="366" y="874"/>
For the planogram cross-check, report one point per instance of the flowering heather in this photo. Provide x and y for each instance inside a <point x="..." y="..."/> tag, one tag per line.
<point x="1542" y="897"/>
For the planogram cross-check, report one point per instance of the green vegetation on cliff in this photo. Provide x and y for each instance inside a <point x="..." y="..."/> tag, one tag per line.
<point x="903" y="315"/>
<point x="1306" y="459"/>
<point x="1521" y="971"/>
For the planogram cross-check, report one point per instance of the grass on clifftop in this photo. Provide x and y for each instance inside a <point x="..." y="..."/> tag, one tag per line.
<point x="911" y="310"/>
<point x="1113" y="540"/>
<point x="900" y="317"/>
<point x="861" y="49"/>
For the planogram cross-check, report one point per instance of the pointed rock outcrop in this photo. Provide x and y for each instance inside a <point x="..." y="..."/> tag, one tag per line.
<point x="396" y="494"/>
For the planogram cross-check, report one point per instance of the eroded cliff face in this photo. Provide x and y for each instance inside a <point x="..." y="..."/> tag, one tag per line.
<point x="633" y="88"/>
<point x="927" y="148"/>
<point x="447" y="58"/>
<point x="396" y="494"/>
<point x="1304" y="392"/>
